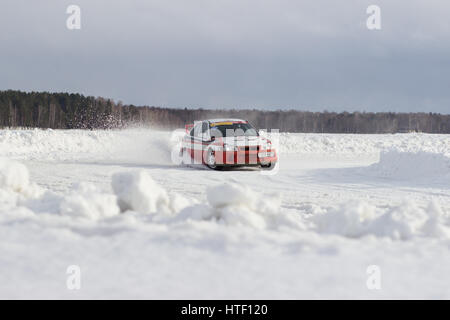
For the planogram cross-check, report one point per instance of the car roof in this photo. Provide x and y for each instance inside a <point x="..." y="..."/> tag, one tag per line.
<point x="225" y="120"/>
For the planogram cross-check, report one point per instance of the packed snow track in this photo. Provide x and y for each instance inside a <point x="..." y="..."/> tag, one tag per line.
<point x="139" y="226"/>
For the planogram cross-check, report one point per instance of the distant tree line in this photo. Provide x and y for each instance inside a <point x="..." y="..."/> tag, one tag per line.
<point x="75" y="111"/>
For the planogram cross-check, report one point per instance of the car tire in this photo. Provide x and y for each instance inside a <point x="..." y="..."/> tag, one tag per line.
<point x="269" y="166"/>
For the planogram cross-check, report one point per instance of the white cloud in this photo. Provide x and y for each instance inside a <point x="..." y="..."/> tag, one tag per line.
<point x="257" y="53"/>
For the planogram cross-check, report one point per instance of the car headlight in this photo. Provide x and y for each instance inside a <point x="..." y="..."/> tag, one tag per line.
<point x="266" y="154"/>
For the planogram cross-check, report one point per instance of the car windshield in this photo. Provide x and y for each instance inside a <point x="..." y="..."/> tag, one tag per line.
<point x="233" y="130"/>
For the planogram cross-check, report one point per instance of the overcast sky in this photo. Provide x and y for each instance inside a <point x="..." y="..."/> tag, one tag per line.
<point x="311" y="55"/>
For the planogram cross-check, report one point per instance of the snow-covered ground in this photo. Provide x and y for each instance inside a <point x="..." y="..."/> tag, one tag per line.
<point x="138" y="226"/>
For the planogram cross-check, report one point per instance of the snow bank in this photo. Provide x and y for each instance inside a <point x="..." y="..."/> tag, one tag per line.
<point x="412" y="165"/>
<point x="329" y="144"/>
<point x="402" y="222"/>
<point x="153" y="146"/>
<point x="147" y="145"/>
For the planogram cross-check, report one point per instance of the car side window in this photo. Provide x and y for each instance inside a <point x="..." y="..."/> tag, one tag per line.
<point x="206" y="133"/>
<point x="205" y="126"/>
<point x="197" y="131"/>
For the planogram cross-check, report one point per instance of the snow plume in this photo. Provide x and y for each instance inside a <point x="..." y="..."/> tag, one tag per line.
<point x="120" y="146"/>
<point x="401" y="222"/>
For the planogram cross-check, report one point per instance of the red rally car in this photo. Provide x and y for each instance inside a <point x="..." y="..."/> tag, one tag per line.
<point x="220" y="143"/>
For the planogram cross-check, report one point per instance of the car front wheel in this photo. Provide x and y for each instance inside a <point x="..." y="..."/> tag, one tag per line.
<point x="269" y="166"/>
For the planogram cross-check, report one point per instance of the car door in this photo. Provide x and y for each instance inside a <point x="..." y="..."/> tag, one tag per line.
<point x="197" y="140"/>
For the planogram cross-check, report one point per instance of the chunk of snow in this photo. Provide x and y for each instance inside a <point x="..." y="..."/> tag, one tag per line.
<point x="238" y="205"/>
<point x="137" y="191"/>
<point x="13" y="176"/>
<point x="85" y="201"/>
